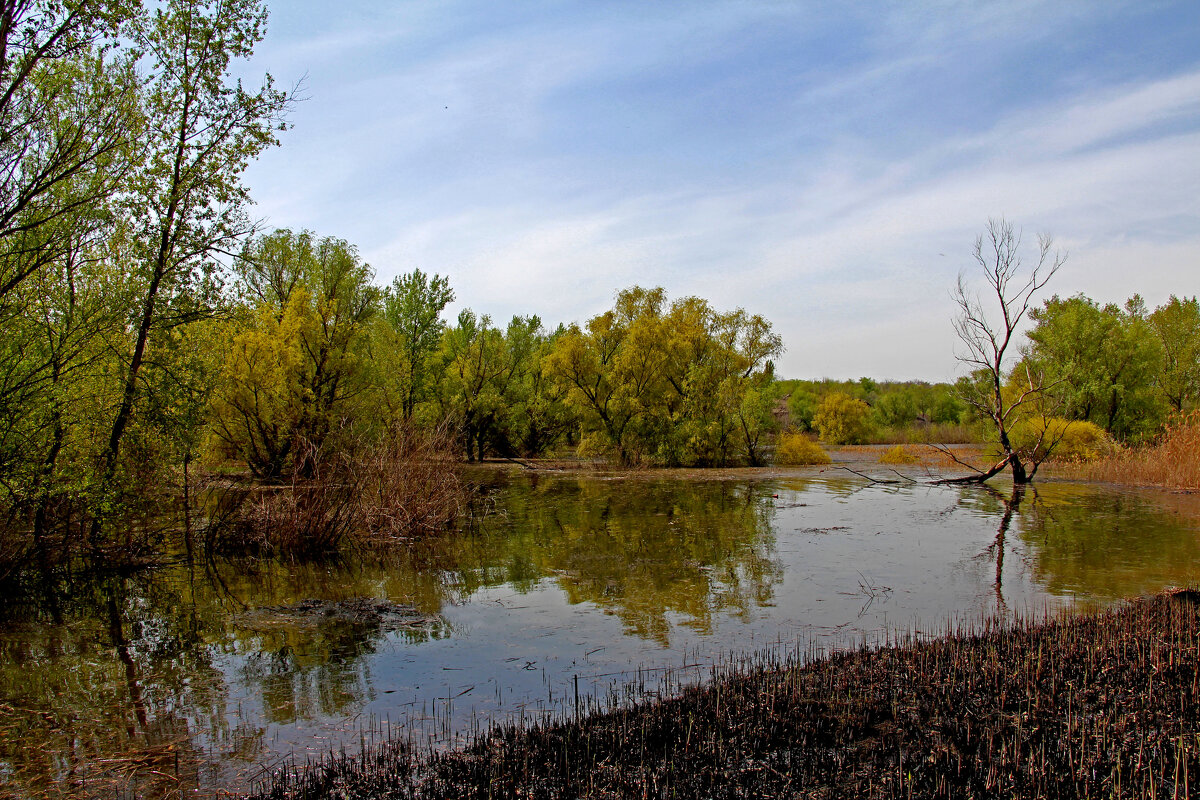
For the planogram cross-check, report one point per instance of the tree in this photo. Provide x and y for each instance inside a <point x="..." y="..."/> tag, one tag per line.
<point x="68" y="118"/>
<point x="842" y="419"/>
<point x="186" y="200"/>
<point x="1176" y="324"/>
<point x="413" y="307"/>
<point x="987" y="340"/>
<point x="1102" y="360"/>
<point x="668" y="383"/>
<point x="296" y="373"/>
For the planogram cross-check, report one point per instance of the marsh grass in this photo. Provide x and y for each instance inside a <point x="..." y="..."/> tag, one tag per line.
<point x="394" y="491"/>
<point x="1100" y="705"/>
<point x="1172" y="462"/>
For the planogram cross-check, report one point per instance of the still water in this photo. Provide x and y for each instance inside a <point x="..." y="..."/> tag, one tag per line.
<point x="208" y="677"/>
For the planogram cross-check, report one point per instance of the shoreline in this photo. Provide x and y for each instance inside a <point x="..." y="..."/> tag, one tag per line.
<point x="1095" y="704"/>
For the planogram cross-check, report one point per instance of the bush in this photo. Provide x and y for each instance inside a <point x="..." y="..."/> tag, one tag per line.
<point x="1063" y="440"/>
<point x="796" y="448"/>
<point x="841" y="419"/>
<point x="899" y="455"/>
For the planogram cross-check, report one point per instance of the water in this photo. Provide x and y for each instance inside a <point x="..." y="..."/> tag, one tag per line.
<point x="161" y="683"/>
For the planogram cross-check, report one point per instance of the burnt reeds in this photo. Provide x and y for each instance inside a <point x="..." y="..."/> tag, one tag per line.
<point x="1099" y="705"/>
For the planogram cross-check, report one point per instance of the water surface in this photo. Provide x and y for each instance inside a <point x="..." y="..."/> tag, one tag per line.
<point x="168" y="681"/>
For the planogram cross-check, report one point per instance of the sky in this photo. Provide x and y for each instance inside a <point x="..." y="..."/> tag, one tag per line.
<point x="826" y="165"/>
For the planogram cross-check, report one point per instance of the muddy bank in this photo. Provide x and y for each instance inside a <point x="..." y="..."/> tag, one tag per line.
<point x="1097" y="705"/>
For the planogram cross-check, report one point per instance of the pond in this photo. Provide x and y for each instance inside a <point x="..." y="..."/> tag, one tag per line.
<point x="566" y="587"/>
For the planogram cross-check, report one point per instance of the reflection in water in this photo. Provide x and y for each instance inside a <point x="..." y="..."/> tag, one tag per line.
<point x="646" y="551"/>
<point x="194" y="676"/>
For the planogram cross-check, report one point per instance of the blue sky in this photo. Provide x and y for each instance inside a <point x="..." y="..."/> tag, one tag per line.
<point x="827" y="165"/>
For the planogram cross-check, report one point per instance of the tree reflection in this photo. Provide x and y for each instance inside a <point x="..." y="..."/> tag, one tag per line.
<point x="645" y="550"/>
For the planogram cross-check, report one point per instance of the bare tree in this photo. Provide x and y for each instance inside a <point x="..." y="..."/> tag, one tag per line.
<point x="988" y="340"/>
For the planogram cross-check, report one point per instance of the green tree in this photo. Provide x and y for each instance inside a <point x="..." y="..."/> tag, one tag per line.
<point x="1102" y="359"/>
<point x="296" y="378"/>
<point x="842" y="419"/>
<point x="68" y="118"/>
<point x="186" y="201"/>
<point x="1176" y="324"/>
<point x="413" y="307"/>
<point x="668" y="383"/>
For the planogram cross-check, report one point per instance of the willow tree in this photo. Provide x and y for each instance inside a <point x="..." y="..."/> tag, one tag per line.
<point x="295" y="377"/>
<point x="678" y="383"/>
<point x="988" y="325"/>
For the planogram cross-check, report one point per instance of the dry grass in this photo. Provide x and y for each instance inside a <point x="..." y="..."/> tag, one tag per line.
<point x="1173" y="462"/>
<point x="403" y="487"/>
<point x="1086" y="706"/>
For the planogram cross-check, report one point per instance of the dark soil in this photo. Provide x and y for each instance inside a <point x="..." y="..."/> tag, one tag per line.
<point x="1103" y="705"/>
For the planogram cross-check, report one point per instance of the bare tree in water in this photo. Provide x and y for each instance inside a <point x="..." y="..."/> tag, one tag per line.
<point x="987" y="325"/>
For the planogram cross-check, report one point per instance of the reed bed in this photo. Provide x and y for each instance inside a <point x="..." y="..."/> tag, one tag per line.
<point x="1099" y="705"/>
<point x="1173" y="462"/>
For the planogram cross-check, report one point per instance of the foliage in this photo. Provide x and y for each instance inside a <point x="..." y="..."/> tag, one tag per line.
<point x="295" y="376"/>
<point x="678" y="384"/>
<point x="899" y="455"/>
<point x="1101" y="361"/>
<point x="798" y="449"/>
<point x="1176" y="325"/>
<point x="1061" y="439"/>
<point x="412" y="307"/>
<point x="842" y="419"/>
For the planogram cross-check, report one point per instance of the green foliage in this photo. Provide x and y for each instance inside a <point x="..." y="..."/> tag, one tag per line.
<point x="1101" y="363"/>
<point x="295" y="380"/>
<point x="842" y="419"/>
<point x="1176" y="325"/>
<point x="678" y="384"/>
<point x="413" y="307"/>
<point x="1060" y="439"/>
<point x="798" y="449"/>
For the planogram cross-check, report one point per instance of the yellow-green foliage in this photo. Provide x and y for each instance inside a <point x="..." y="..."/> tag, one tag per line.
<point x="842" y="419"/>
<point x="899" y="455"/>
<point x="796" y="448"/>
<point x="1063" y="439"/>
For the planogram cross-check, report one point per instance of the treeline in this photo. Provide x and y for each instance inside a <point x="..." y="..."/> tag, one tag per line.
<point x="315" y="359"/>
<point x="856" y="412"/>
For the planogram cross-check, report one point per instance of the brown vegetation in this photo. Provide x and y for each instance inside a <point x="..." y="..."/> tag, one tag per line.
<point x="1173" y="462"/>
<point x="405" y="486"/>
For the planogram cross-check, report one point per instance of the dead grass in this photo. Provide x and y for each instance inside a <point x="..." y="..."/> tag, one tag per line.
<point x="1173" y="462"/>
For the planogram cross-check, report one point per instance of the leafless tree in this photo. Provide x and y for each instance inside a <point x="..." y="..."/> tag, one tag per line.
<point x="988" y="339"/>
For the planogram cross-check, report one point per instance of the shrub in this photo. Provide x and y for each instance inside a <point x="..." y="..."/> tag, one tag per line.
<point x="841" y="419"/>
<point x="1063" y="439"/>
<point x="796" y="448"/>
<point x="899" y="455"/>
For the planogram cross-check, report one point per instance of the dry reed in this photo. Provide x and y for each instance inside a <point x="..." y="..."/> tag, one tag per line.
<point x="1102" y="705"/>
<point x="393" y="491"/>
<point x="1172" y="462"/>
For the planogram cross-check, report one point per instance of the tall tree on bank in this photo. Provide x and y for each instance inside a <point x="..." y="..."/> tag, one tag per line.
<point x="187" y="201"/>
<point x="413" y="308"/>
<point x="987" y="328"/>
